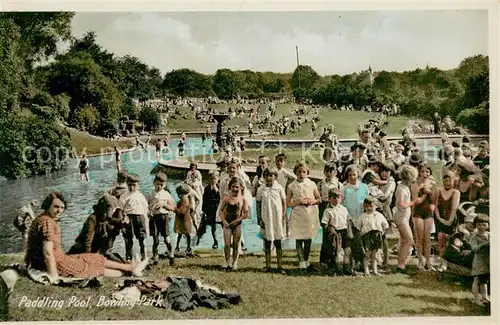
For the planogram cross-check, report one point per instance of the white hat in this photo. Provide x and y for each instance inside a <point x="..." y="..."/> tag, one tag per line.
<point x="10" y="278"/>
<point x="470" y="217"/>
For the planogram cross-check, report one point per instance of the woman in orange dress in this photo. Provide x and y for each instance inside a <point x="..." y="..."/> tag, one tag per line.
<point x="44" y="249"/>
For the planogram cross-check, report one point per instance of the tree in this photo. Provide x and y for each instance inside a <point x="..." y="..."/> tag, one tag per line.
<point x="226" y="84"/>
<point x="31" y="146"/>
<point x="472" y="66"/>
<point x="78" y="76"/>
<point x="11" y="65"/>
<point x="40" y="32"/>
<point x="304" y="77"/>
<point x="88" y="118"/>
<point x="187" y="83"/>
<point x="150" y="118"/>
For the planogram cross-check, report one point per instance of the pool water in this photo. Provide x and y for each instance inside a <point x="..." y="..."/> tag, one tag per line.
<point x="81" y="197"/>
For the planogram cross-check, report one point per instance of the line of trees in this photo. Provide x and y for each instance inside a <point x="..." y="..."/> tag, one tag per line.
<point x="90" y="88"/>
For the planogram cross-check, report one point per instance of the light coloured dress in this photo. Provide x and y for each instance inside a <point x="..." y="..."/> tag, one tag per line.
<point x="271" y="199"/>
<point x="354" y="196"/>
<point x="304" y="221"/>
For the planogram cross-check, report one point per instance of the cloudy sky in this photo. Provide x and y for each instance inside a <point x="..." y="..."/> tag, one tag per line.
<point x="331" y="42"/>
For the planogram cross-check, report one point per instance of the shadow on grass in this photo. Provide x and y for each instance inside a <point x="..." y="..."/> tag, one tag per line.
<point x="427" y="281"/>
<point x="466" y="306"/>
<point x="432" y="311"/>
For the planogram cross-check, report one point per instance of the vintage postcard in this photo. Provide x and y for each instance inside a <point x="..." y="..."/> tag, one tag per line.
<point x="243" y="162"/>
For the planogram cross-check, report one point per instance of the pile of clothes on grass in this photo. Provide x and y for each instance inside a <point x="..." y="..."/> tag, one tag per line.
<point x="176" y="293"/>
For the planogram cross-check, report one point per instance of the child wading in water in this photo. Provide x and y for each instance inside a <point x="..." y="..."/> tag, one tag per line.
<point x="303" y="196"/>
<point x="84" y="168"/>
<point x="160" y="205"/>
<point x="234" y="209"/>
<point x="372" y="225"/>
<point x="271" y="202"/>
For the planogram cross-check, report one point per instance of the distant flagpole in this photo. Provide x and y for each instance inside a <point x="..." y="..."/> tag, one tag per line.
<point x="298" y="64"/>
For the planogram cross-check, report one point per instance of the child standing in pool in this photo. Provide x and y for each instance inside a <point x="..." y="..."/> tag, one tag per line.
<point x="84" y="168"/>
<point x="303" y="196"/>
<point x="234" y="209"/>
<point x="271" y="199"/>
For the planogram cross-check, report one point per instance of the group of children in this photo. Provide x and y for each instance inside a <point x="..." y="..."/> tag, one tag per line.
<point x="359" y="202"/>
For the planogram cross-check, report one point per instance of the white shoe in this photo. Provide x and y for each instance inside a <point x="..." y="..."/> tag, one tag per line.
<point x="225" y="265"/>
<point x="307" y="264"/>
<point x="421" y="266"/>
<point x="302" y="265"/>
<point x="235" y="266"/>
<point x="140" y="267"/>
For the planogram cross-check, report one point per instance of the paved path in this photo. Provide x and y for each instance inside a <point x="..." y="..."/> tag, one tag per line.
<point x="206" y="167"/>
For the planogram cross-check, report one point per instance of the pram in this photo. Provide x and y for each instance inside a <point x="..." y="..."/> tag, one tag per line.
<point x="451" y="269"/>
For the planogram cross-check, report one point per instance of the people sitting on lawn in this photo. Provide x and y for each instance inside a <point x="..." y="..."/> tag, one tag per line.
<point x="44" y="249"/>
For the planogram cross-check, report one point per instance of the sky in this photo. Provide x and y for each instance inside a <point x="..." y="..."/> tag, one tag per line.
<point x="330" y="42"/>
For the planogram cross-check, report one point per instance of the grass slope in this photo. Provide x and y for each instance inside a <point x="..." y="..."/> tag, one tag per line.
<point x="83" y="142"/>
<point x="345" y="122"/>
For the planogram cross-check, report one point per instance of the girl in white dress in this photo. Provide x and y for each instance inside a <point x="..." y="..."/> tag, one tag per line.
<point x="271" y="202"/>
<point x="303" y="196"/>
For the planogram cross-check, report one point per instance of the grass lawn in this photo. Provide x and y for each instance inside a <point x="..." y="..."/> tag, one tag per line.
<point x="266" y="295"/>
<point x="345" y="122"/>
<point x="82" y="140"/>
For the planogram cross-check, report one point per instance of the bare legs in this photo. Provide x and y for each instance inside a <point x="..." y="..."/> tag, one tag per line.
<point x="442" y="243"/>
<point x="232" y="240"/>
<point x="423" y="229"/>
<point x="303" y="247"/>
<point x="115" y="270"/>
<point x="370" y="256"/>
<point x="405" y="243"/>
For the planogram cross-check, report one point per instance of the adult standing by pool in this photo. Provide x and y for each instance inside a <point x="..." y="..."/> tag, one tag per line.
<point x="118" y="158"/>
<point x="45" y="252"/>
<point x="84" y="168"/>
<point x="182" y="143"/>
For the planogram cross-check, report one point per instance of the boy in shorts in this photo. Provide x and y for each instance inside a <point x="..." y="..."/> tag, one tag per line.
<point x="136" y="211"/>
<point x="161" y="203"/>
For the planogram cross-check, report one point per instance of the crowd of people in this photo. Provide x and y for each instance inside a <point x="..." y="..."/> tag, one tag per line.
<point x="363" y="197"/>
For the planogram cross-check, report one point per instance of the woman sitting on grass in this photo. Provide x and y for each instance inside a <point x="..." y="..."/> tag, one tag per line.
<point x="96" y="235"/>
<point x="45" y="253"/>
